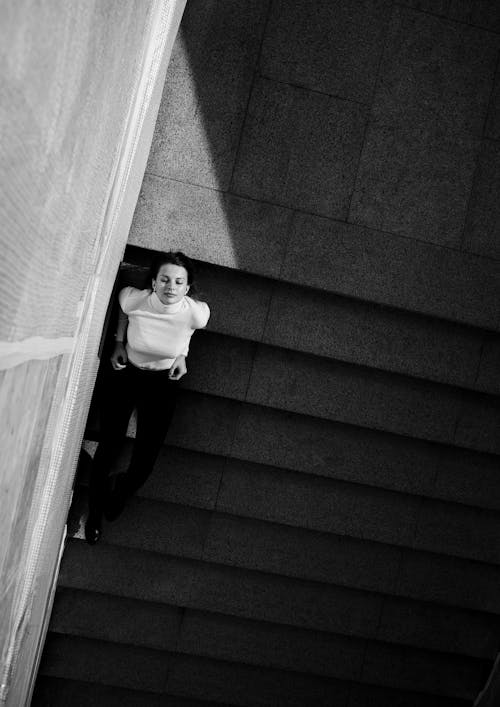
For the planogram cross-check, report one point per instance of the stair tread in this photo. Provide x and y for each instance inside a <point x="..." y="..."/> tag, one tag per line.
<point x="200" y="584"/>
<point x="316" y="252"/>
<point x="333" y="520"/>
<point x="345" y="393"/>
<point x="322" y="324"/>
<point x="273" y="648"/>
<point x="55" y="692"/>
<point x="109" y="617"/>
<point x="220" y="427"/>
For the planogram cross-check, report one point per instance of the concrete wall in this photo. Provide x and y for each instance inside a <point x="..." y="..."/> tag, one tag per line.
<point x="80" y="89"/>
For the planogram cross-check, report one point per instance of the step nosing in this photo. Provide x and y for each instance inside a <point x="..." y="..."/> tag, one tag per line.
<point x="294" y="579"/>
<point x="306" y="474"/>
<point x="315" y="531"/>
<point x="393" y="372"/>
<point x="276" y="668"/>
<point x="131" y="257"/>
<point x="287" y="627"/>
<point x="449" y="444"/>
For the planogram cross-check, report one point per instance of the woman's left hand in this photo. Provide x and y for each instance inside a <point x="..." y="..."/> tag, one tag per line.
<point x="178" y="368"/>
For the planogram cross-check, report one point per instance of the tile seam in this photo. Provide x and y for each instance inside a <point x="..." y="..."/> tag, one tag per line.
<point x="361" y="226"/>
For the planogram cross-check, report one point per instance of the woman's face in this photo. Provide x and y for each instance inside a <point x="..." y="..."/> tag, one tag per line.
<point x="171" y="283"/>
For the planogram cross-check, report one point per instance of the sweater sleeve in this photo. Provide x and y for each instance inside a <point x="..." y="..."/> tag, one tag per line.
<point x="201" y="314"/>
<point x="124" y="299"/>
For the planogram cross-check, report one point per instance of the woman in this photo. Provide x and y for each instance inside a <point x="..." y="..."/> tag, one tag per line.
<point x="157" y="325"/>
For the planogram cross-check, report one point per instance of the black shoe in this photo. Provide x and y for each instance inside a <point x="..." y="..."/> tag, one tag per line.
<point x="115" y="506"/>
<point x="93" y="530"/>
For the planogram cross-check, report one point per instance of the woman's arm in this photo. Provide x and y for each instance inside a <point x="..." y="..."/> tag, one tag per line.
<point x="119" y="356"/>
<point x="201" y="313"/>
<point x="178" y="368"/>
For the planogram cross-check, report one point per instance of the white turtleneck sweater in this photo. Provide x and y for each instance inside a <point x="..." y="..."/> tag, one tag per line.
<point x="157" y="333"/>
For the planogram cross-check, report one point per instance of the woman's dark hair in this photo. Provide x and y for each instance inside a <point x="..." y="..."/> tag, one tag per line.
<point x="174" y="257"/>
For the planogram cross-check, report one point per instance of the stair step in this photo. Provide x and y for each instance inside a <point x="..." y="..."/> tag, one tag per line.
<point x="341" y="392"/>
<point x="62" y="692"/>
<point x="154" y="625"/>
<point x="107" y="617"/>
<point x="282" y="550"/>
<point x="313" y="445"/>
<point x="325" y="524"/>
<point x="250" y="686"/>
<point x="131" y="667"/>
<point x="220" y="589"/>
<point x="377" y="337"/>
<point x="194" y="478"/>
<point x="198" y="683"/>
<point x="364" y="512"/>
<point x="316" y="503"/>
<point x="338" y="257"/>
<point x="289" y="551"/>
<point x="316" y="322"/>
<point x="339" y="657"/>
<point x="241" y="645"/>
<point x="205" y="585"/>
<point x="225" y="427"/>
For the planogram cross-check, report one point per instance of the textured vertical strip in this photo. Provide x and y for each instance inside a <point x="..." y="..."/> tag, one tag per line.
<point x="90" y="271"/>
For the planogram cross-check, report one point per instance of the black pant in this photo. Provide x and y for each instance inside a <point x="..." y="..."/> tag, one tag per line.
<point x="154" y="395"/>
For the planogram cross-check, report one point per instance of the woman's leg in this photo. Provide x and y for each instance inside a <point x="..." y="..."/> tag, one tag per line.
<point x="156" y="400"/>
<point x="118" y="401"/>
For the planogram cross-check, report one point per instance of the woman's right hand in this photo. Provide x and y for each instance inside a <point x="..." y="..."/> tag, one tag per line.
<point x="119" y="356"/>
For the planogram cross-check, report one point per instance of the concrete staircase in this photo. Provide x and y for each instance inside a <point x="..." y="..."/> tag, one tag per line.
<point x="320" y="529"/>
